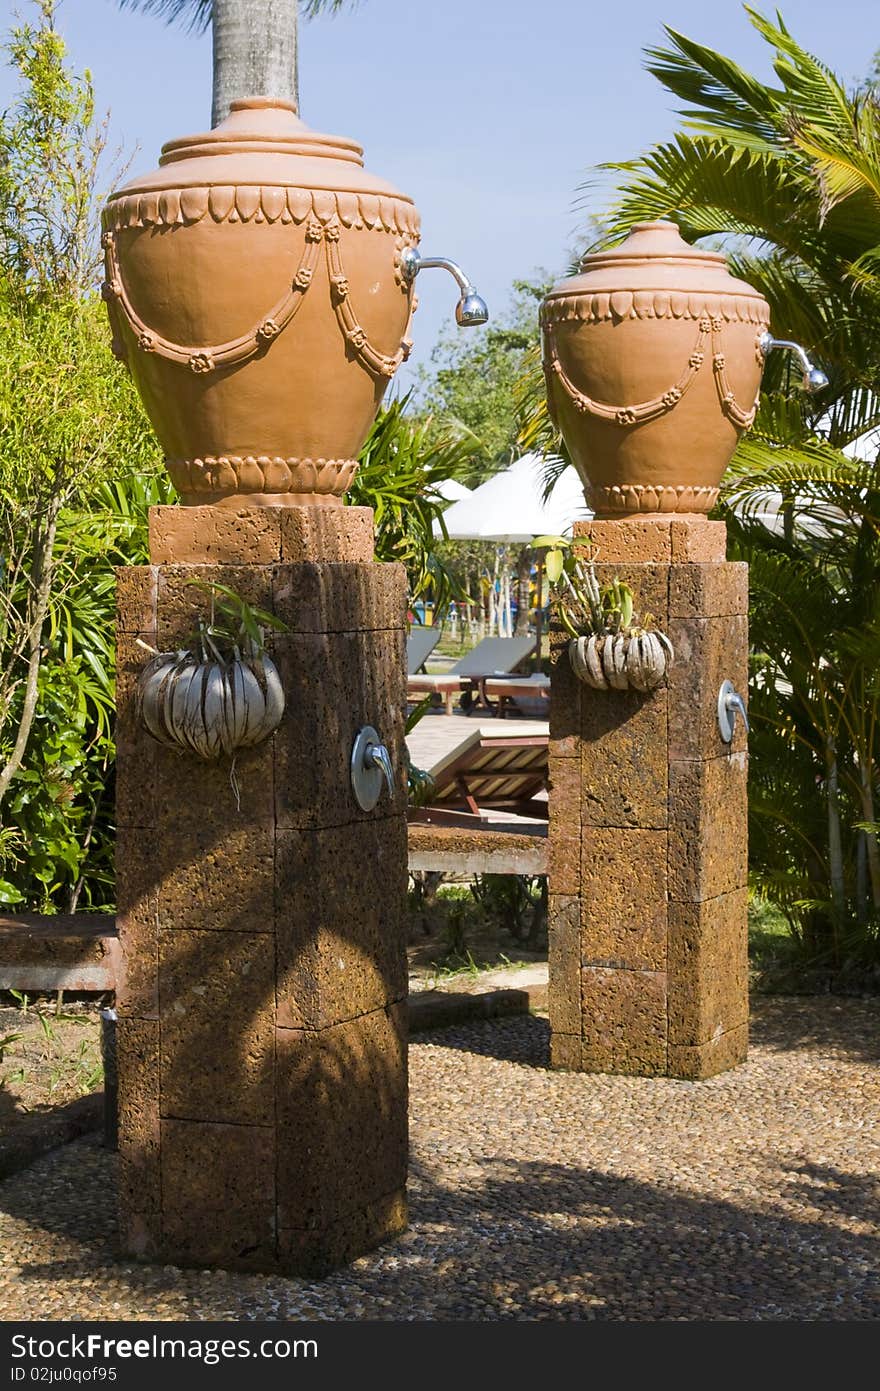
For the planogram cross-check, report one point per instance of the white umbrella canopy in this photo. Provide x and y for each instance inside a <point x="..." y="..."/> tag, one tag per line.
<point x="452" y="491"/>
<point x="508" y="507"/>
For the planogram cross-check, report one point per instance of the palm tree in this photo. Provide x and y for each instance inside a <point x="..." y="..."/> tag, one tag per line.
<point x="788" y="175"/>
<point x="254" y="41"/>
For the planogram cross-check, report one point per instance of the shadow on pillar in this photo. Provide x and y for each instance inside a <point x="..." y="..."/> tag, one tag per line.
<point x="648" y="825"/>
<point x="262" y="1022"/>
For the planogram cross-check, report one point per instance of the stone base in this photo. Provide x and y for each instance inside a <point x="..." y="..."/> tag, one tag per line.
<point x="648" y="823"/>
<point x="262" y="1016"/>
<point x="260" y="535"/>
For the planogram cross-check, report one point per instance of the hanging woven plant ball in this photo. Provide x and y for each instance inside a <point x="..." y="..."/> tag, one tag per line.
<point x="621" y="661"/>
<point x="209" y="706"/>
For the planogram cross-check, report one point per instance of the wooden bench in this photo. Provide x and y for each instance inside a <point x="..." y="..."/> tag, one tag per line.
<point x="519" y="848"/>
<point x="43" y="955"/>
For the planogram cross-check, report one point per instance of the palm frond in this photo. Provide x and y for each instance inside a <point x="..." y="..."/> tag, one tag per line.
<point x="194" y="14"/>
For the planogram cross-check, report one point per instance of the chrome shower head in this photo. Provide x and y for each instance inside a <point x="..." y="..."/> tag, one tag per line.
<point x="813" y="379"/>
<point x="471" y="309"/>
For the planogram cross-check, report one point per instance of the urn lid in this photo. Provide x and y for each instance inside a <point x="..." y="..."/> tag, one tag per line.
<point x="654" y="256"/>
<point x="261" y="142"/>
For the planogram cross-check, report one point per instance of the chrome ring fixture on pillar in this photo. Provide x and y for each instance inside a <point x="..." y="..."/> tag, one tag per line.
<point x="370" y="762"/>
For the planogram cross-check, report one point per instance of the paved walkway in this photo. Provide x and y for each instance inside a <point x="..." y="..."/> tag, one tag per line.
<point x="540" y="1195"/>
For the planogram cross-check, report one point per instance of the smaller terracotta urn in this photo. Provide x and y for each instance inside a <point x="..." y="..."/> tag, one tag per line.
<point x="653" y="358"/>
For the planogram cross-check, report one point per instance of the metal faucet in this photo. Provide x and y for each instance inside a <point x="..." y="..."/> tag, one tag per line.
<point x="370" y="761"/>
<point x="379" y="757"/>
<point x="471" y="309"/>
<point x="730" y="704"/>
<point x="814" y="379"/>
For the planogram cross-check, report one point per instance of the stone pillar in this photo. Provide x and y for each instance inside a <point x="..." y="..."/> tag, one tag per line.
<point x="262" y="1005"/>
<point x="648" y="832"/>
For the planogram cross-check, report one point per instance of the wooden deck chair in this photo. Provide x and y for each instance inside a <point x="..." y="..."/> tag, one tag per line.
<point x="420" y="643"/>
<point x="488" y="778"/>
<point x="491" y="657"/>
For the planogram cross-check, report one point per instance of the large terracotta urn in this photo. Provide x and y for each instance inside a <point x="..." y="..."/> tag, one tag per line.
<point x="256" y="292"/>
<point x="653" y="359"/>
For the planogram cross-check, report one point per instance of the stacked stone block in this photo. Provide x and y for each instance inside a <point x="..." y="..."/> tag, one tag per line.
<point x="648" y="834"/>
<point x="262" y="1021"/>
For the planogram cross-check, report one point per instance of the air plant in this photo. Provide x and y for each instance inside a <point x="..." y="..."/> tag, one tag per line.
<point x="611" y="647"/>
<point x="222" y="691"/>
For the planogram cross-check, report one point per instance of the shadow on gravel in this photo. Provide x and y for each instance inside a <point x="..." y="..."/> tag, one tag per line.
<point x="844" y="1029"/>
<point x="841" y="1027"/>
<point x="520" y="1241"/>
<point x="520" y="1039"/>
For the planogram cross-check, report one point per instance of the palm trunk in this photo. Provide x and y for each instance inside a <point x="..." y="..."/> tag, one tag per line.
<point x="523" y="576"/>
<point x="835" y="842"/>
<point x="872" y="850"/>
<point x="255" y="52"/>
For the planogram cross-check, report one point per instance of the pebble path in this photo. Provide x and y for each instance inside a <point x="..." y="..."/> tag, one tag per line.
<point x="542" y="1195"/>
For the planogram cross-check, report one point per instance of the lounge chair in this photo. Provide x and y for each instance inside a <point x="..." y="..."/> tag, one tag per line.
<point x="493" y="657"/>
<point x="420" y="643"/>
<point x="491" y="779"/>
<point x="514" y="690"/>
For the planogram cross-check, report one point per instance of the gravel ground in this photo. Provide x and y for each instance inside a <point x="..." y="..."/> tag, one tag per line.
<point x="539" y="1195"/>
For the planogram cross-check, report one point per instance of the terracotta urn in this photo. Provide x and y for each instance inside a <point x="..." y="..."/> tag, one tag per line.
<point x="256" y="292"/>
<point x="653" y="359"/>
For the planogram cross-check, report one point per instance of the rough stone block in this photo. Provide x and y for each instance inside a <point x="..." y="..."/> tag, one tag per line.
<point x="136" y="598"/>
<point x="210" y="789"/>
<point x="697" y="541"/>
<point x="182" y="600"/>
<point x="708" y="968"/>
<point x="565" y="1051"/>
<point x="564" y="950"/>
<point x="335" y="684"/>
<point x="340" y="922"/>
<point x="565" y="793"/>
<point x="137" y="920"/>
<point x="259" y="535"/>
<point x="334" y="598"/>
<point x="137" y="1052"/>
<point x="707" y="1059"/>
<point x="215" y="535"/>
<point x="136" y="750"/>
<point x="623" y="898"/>
<point x="649" y="585"/>
<point x="565" y="699"/>
<point x="707" y="652"/>
<point x="634" y="540"/>
<point x="708" y="841"/>
<point x="624" y="758"/>
<point x="342" y="1118"/>
<point x="218" y="1014"/>
<point x="564" y="859"/>
<point x="315" y="1252"/>
<point x="140" y="1233"/>
<point x="624" y="1021"/>
<point x="218" y="1195"/>
<point x="216" y="881"/>
<point x="710" y="590"/>
<point x="326" y="534"/>
<point x="646" y="540"/>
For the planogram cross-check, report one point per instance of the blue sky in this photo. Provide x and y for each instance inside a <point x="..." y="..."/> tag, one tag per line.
<point x="488" y="112"/>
